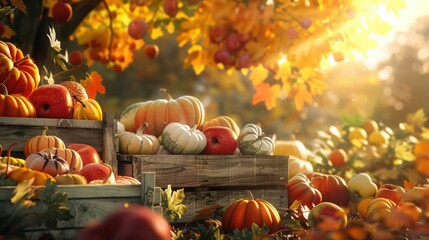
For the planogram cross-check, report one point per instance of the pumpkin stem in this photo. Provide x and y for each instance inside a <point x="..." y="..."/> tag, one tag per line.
<point x="9" y="151"/>
<point x="45" y="130"/>
<point x="250" y="194"/>
<point x="141" y="128"/>
<point x="167" y="95"/>
<point x="16" y="63"/>
<point x="80" y="101"/>
<point x="5" y="92"/>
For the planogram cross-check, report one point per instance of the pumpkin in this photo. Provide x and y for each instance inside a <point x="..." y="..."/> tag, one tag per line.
<point x="15" y="105"/>
<point x="71" y="156"/>
<point x="87" y="109"/>
<point x="127" y="116"/>
<point x="296" y="165"/>
<point x="243" y="212"/>
<point x="70" y="179"/>
<point x="291" y="147"/>
<point x="379" y="207"/>
<point x="300" y="188"/>
<point x="41" y="142"/>
<point x="77" y="91"/>
<point x="159" y="113"/>
<point x="252" y="141"/>
<point x="138" y="143"/>
<point x="332" y="187"/>
<point x="179" y="138"/>
<point x="18" y="72"/>
<point x="126" y="180"/>
<point x="47" y="162"/>
<point x="224" y="121"/>
<point x="24" y="174"/>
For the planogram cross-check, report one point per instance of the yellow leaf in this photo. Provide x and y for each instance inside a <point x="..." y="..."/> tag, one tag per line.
<point x="258" y="75"/>
<point x="302" y="96"/>
<point x="170" y="27"/>
<point x="156" y="33"/>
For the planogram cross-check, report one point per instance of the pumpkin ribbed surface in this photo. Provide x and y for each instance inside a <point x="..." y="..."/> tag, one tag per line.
<point x="15" y="105"/>
<point x="41" y="142"/>
<point x="48" y="163"/>
<point x="18" y="72"/>
<point x="72" y="157"/>
<point x="159" y="113"/>
<point x="88" y="109"/>
<point x="76" y="90"/>
<point x="224" y="121"/>
<point x="21" y="174"/>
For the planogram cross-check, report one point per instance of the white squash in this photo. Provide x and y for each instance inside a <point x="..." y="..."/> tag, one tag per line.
<point x="252" y="141"/>
<point x="178" y="138"/>
<point x="138" y="143"/>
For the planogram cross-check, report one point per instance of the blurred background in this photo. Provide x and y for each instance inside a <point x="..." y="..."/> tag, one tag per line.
<point x="388" y="83"/>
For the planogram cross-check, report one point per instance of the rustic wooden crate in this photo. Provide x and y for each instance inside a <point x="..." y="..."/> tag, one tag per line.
<point x="89" y="203"/>
<point x="213" y="180"/>
<point x="99" y="134"/>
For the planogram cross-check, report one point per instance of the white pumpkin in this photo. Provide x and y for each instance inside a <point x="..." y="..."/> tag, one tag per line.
<point x="252" y="141"/>
<point x="138" y="143"/>
<point x="292" y="148"/>
<point x="296" y="165"/>
<point x="178" y="138"/>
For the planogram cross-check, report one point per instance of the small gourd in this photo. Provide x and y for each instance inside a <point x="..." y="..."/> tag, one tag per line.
<point x="138" y="143"/>
<point x="41" y="142"/>
<point x="252" y="141"/>
<point x="70" y="179"/>
<point x="87" y="109"/>
<point x="178" y="138"/>
<point x="71" y="156"/>
<point x="47" y="162"/>
<point x="22" y="174"/>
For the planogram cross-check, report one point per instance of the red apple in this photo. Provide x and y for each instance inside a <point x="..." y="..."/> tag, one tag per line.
<point x="135" y="222"/>
<point x="97" y="173"/>
<point x="52" y="101"/>
<point x="327" y="216"/>
<point x="62" y="12"/>
<point x="338" y="157"/>
<point x="391" y="191"/>
<point x="86" y="152"/>
<point x="220" y="141"/>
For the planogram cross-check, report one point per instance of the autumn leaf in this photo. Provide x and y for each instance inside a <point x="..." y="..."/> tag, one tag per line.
<point x="267" y="94"/>
<point x="93" y="85"/>
<point x="258" y="75"/>
<point x="19" y="4"/>
<point x="409" y="184"/>
<point x="302" y="96"/>
<point x="8" y="32"/>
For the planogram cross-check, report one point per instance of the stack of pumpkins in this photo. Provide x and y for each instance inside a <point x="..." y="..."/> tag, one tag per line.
<point x="47" y="157"/>
<point x="19" y="85"/>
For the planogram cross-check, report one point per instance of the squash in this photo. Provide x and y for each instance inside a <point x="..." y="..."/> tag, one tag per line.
<point x="243" y="212"/>
<point x="15" y="105"/>
<point x="379" y="207"/>
<point x="47" y="162"/>
<point x="178" y="138"/>
<point x="18" y="73"/>
<point x="291" y="147"/>
<point x="127" y="116"/>
<point x="224" y="121"/>
<point x="252" y="141"/>
<point x="70" y="179"/>
<point x="77" y="91"/>
<point x="159" y="113"/>
<point x="296" y="165"/>
<point x="138" y="143"/>
<point x="72" y="157"/>
<point x="24" y="174"/>
<point x="126" y="180"/>
<point x="41" y="142"/>
<point x="87" y="109"/>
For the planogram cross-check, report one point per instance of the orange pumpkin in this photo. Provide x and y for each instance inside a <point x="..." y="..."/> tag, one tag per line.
<point x="224" y="121"/>
<point x="41" y="142"/>
<point x="87" y="109"/>
<point x="15" y="105"/>
<point x="71" y="156"/>
<point x="47" y="162"/>
<point x="22" y="174"/>
<point x="378" y="208"/>
<point x="159" y="113"/>
<point x="126" y="180"/>
<point x="18" y="72"/>
<point x="243" y="212"/>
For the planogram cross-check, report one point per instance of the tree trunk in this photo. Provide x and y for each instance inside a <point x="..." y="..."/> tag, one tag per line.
<point x="32" y="28"/>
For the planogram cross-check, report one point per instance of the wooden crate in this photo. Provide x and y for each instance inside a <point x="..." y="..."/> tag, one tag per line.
<point x="99" y="134"/>
<point x="210" y="180"/>
<point x="89" y="203"/>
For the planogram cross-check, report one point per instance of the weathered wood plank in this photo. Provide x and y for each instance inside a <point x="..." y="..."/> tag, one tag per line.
<point x="99" y="134"/>
<point x="211" y="170"/>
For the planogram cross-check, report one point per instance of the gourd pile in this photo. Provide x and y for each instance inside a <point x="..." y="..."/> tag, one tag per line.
<point x="47" y="157"/>
<point x="21" y="95"/>
<point x="178" y="126"/>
